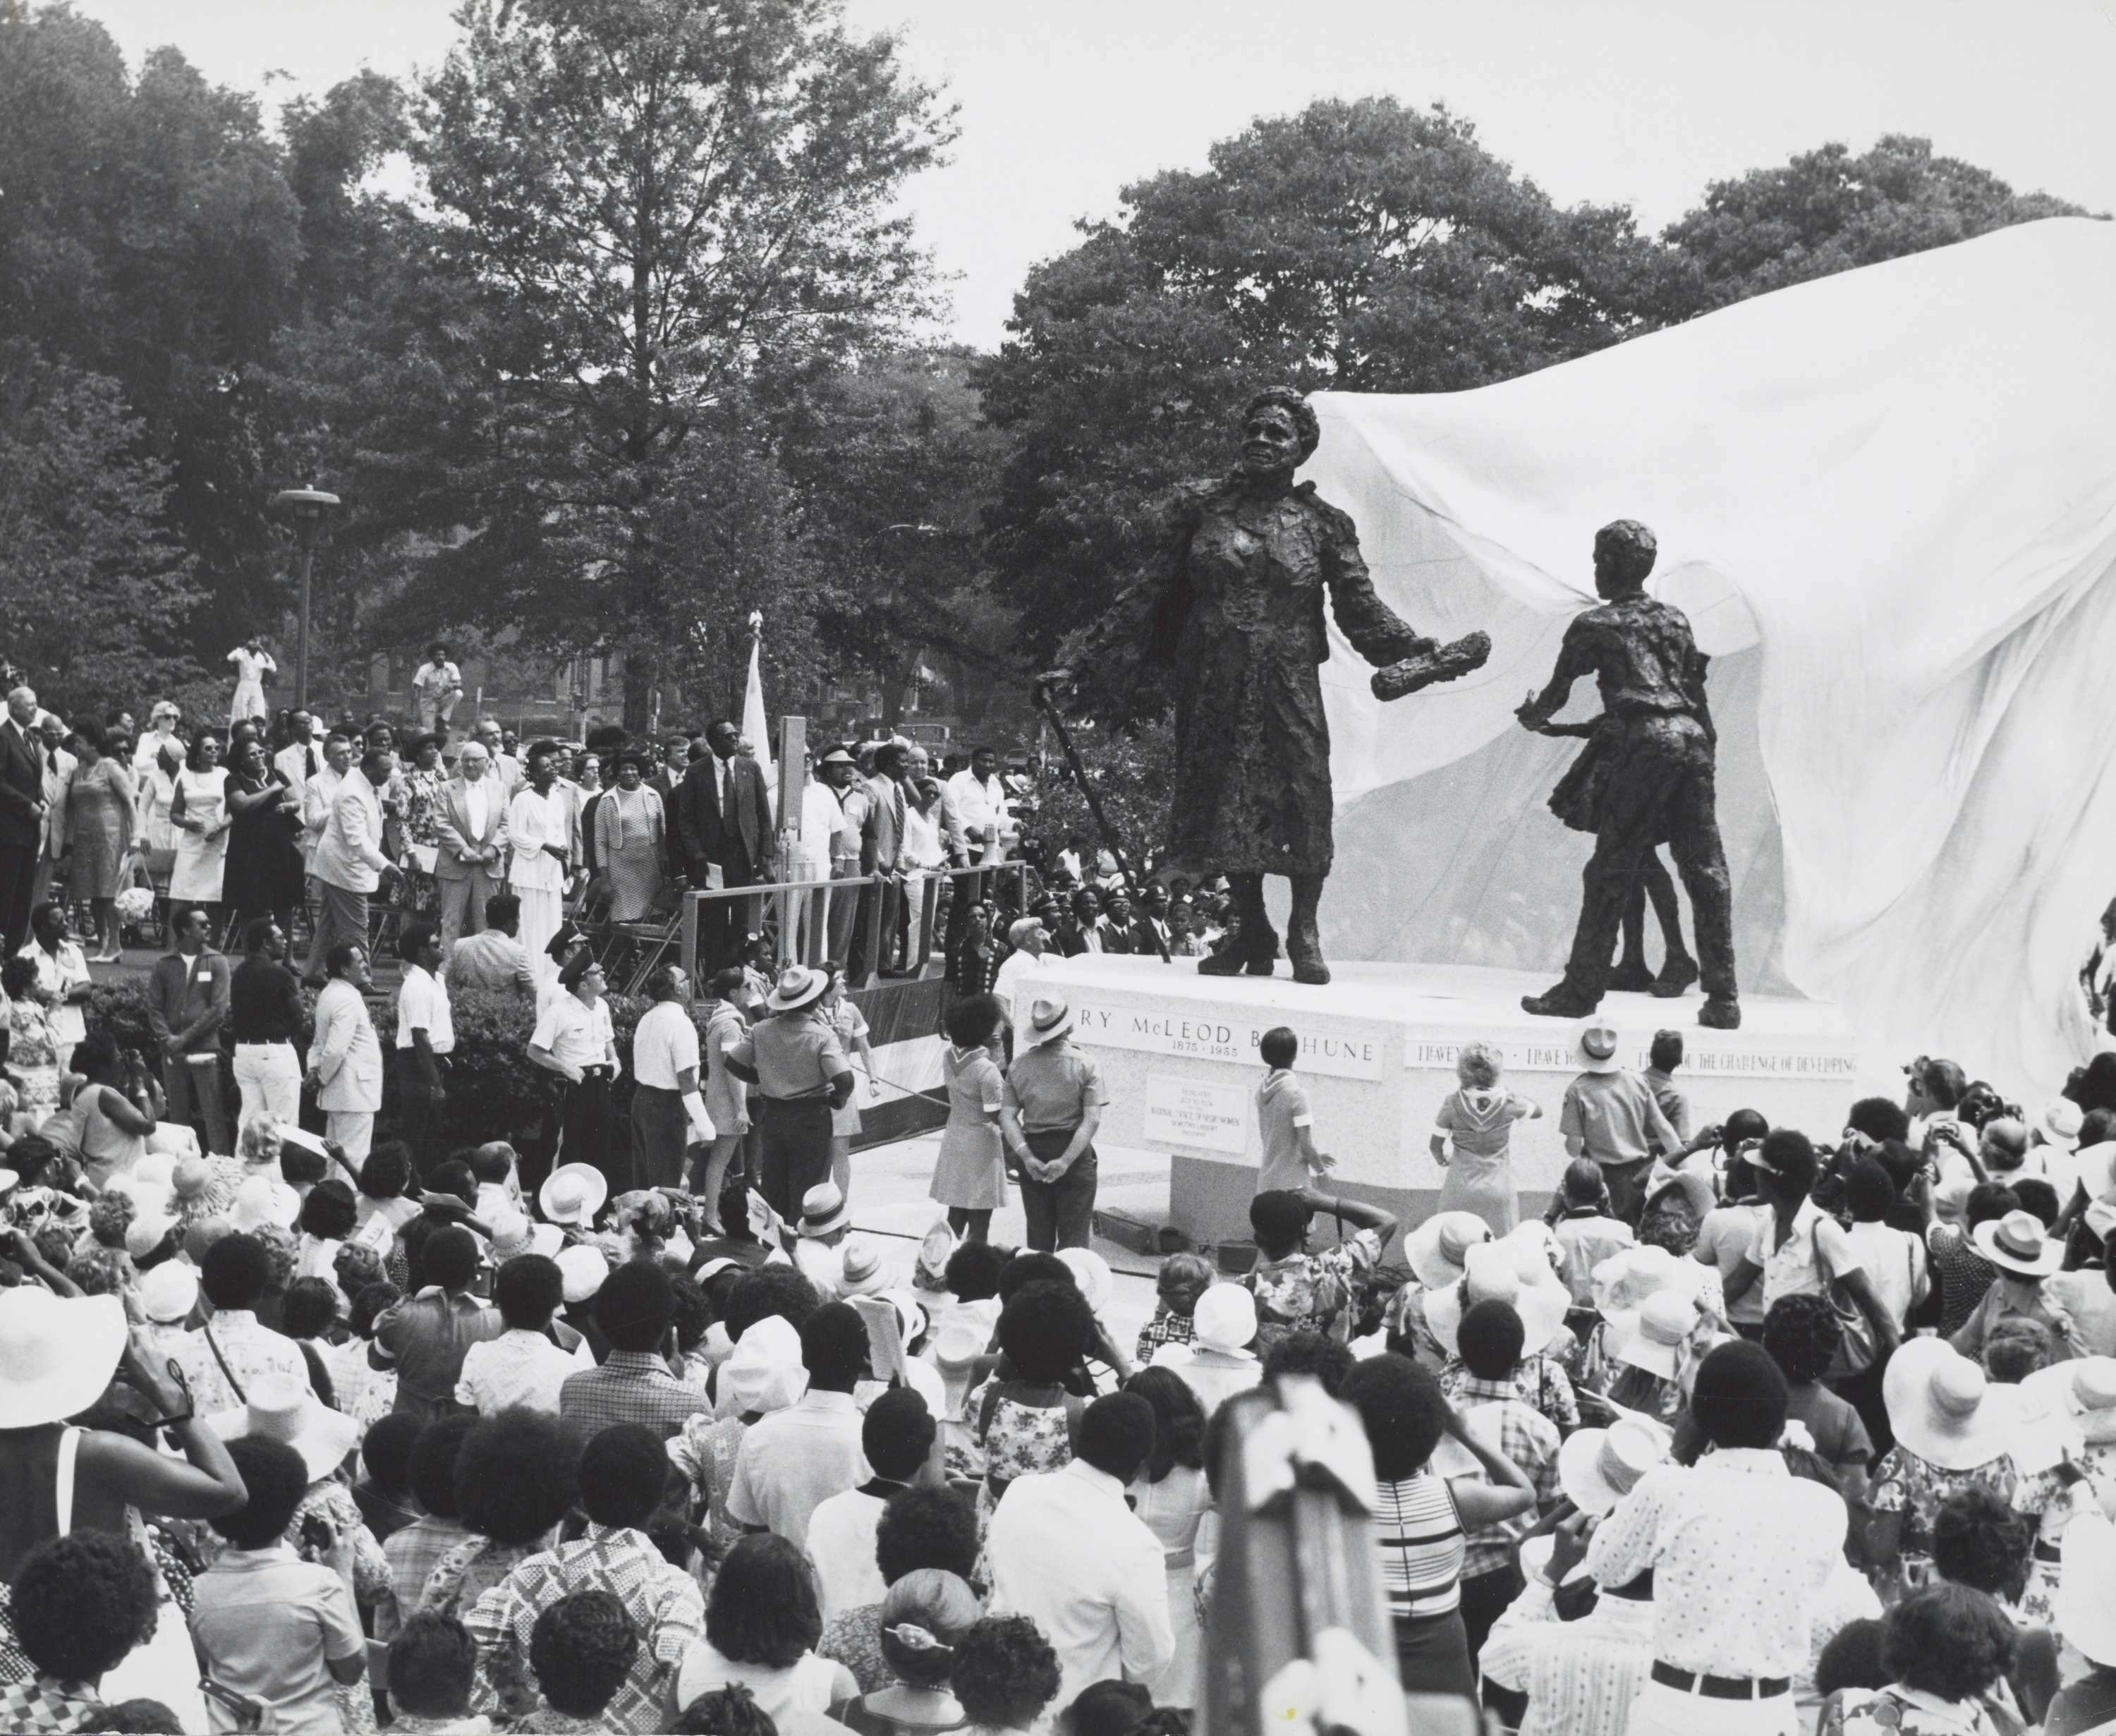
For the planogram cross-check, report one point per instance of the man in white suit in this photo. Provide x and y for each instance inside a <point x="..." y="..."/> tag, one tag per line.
<point x="345" y="1059"/>
<point x="470" y="864"/>
<point x="349" y="864"/>
<point x="59" y="767"/>
<point x="320" y="794"/>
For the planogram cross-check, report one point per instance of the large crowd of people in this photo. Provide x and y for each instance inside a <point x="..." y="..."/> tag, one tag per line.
<point x="359" y="1427"/>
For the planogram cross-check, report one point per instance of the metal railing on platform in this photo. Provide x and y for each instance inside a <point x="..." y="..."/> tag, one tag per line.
<point x="879" y="926"/>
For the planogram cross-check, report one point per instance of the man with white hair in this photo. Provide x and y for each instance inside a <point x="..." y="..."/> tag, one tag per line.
<point x="23" y="809"/>
<point x="470" y="864"/>
<point x="1032" y="952"/>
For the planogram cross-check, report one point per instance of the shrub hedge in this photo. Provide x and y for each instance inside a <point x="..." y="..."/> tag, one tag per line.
<point x="495" y="1092"/>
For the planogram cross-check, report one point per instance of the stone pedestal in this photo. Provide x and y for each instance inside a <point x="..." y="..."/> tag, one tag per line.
<point x="1379" y="1044"/>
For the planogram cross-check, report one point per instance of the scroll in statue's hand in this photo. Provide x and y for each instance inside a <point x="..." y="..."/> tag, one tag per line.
<point x="1431" y="663"/>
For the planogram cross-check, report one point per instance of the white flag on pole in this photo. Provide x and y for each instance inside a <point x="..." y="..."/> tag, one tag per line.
<point x="753" y="723"/>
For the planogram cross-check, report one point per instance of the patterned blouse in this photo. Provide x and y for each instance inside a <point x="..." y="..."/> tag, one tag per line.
<point x="1903" y="1483"/>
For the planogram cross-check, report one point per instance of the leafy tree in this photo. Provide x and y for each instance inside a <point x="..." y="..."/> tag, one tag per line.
<point x="1827" y="211"/>
<point x="1129" y="769"/>
<point x="891" y="464"/>
<point x="1359" y="246"/>
<point x="654" y="203"/>
<point x="91" y="585"/>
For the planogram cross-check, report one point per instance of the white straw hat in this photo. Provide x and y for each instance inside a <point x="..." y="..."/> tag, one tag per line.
<point x="1435" y="1251"/>
<point x="1597" y="1467"/>
<point x="56" y="1353"/>
<point x="2019" y="1243"/>
<point x="1491" y="1276"/>
<point x="573" y="1193"/>
<point x="1943" y="1409"/>
<point x="1050" y="1017"/>
<point x="282" y="1408"/>
<point x="170" y="1291"/>
<point x="1664" y="1322"/>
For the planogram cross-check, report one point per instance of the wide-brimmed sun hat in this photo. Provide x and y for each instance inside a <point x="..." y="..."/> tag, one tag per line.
<point x="1621" y="1284"/>
<point x="1225" y="1319"/>
<point x="262" y="1201"/>
<point x="1594" y="1046"/>
<point x="1597" y="1467"/>
<point x="581" y="1271"/>
<point x="2060" y="1123"/>
<point x="513" y="1234"/>
<point x="281" y="1408"/>
<point x="56" y="1353"/>
<point x="824" y="1211"/>
<point x="573" y="1193"/>
<point x="798" y="987"/>
<point x="1662" y="1326"/>
<point x="1943" y="1409"/>
<point x="1050" y="1017"/>
<point x="170" y="1291"/>
<point x="1092" y="1273"/>
<point x="2082" y="1391"/>
<point x="2019" y="1243"/>
<point x="1435" y="1250"/>
<point x="1490" y="1275"/>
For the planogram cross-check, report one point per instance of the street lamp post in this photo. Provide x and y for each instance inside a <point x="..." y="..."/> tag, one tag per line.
<point x="309" y="507"/>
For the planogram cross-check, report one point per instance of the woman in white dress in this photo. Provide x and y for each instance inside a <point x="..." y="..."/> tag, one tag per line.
<point x="921" y="856"/>
<point x="200" y="816"/>
<point x="1173" y="1500"/>
<point x="252" y="663"/>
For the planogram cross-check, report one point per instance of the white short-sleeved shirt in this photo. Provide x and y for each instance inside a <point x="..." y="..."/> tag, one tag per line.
<point x="422" y="1004"/>
<point x="664" y="1044"/>
<point x="577" y="1035"/>
<point x="1792" y="1268"/>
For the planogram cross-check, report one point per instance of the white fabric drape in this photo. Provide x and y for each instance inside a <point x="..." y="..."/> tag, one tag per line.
<point x="1899" y="486"/>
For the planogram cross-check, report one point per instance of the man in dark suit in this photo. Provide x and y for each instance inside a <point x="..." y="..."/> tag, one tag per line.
<point x="22" y="811"/>
<point x="724" y="820"/>
<point x="1150" y="932"/>
<point x="1116" y="925"/>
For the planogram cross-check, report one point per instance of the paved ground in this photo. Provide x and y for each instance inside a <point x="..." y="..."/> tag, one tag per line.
<point x="890" y="1203"/>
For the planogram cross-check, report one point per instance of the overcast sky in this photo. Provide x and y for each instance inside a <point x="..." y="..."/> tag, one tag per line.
<point x="1642" y="101"/>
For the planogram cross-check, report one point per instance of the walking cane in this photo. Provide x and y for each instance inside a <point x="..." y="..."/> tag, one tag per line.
<point x="1094" y="805"/>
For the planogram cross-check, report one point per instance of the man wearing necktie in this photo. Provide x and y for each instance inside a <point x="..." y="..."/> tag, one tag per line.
<point x="882" y="841"/>
<point x="723" y="816"/>
<point x="22" y="814"/>
<point x="299" y="761"/>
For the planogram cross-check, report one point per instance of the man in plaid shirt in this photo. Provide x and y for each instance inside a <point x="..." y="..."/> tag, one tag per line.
<point x="1490" y="1341"/>
<point x="633" y="1308"/>
<point x="622" y="1474"/>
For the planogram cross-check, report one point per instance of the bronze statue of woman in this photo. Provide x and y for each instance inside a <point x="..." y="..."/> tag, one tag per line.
<point x="1232" y="608"/>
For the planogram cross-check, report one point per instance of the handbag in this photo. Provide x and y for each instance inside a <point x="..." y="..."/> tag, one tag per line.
<point x="1856" y="1347"/>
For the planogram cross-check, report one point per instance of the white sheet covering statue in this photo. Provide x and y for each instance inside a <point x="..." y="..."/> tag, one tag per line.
<point x="1895" y="491"/>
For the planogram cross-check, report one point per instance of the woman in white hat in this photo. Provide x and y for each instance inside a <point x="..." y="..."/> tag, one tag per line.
<point x="799" y="1075"/>
<point x="2024" y="1253"/>
<point x="58" y="1352"/>
<point x="1953" y="1429"/>
<point x="2074" y="1403"/>
<point x="1436" y="1252"/>
<point x="764" y="1374"/>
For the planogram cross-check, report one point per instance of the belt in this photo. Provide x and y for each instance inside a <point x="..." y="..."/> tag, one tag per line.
<point x="2052" y="1553"/>
<point x="1721" y="1687"/>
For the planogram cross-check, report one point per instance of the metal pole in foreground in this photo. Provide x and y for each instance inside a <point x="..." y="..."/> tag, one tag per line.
<point x="309" y="507"/>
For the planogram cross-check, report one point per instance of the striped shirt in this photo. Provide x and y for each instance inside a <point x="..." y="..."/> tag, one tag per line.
<point x="1421" y="1544"/>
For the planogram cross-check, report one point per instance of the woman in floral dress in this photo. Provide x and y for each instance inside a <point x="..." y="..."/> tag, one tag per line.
<point x="424" y="782"/>
<point x="33" y="1054"/>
